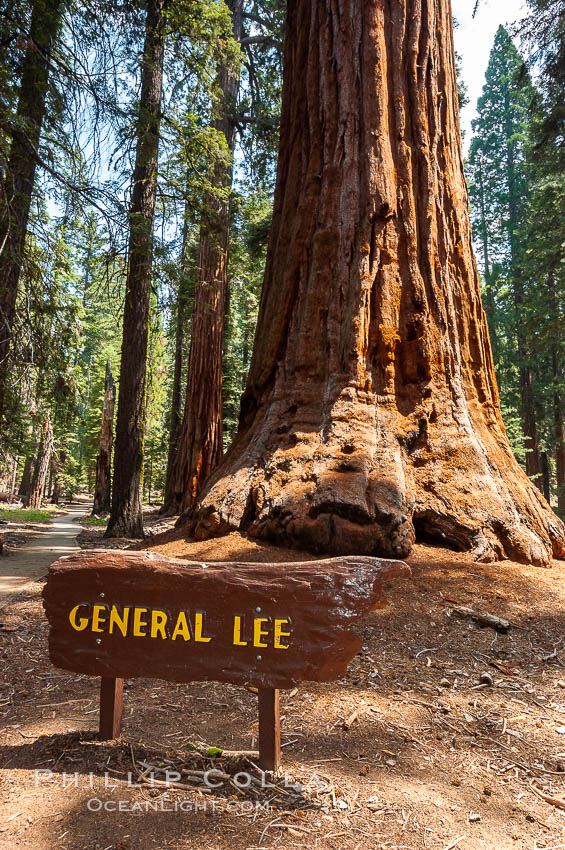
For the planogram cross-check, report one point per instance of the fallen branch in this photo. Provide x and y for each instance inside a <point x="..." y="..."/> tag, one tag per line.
<point x="555" y="801"/>
<point x="486" y="619"/>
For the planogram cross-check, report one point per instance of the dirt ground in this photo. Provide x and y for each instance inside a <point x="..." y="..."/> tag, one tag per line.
<point x="442" y="735"/>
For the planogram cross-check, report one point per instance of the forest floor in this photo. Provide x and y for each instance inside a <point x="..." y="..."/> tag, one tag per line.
<point x="442" y="735"/>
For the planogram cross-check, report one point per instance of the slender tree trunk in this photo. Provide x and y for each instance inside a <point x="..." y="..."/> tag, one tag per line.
<point x="104" y="460"/>
<point x="41" y="469"/>
<point x="527" y="406"/>
<point x="25" y="483"/>
<point x="529" y="426"/>
<point x="13" y="478"/>
<point x="126" y="519"/>
<point x="559" y="421"/>
<point x="200" y="444"/>
<point x="371" y="408"/>
<point x="490" y="306"/>
<point x="59" y="461"/>
<point x="545" y="476"/>
<point x="18" y="183"/>
<point x="175" y="425"/>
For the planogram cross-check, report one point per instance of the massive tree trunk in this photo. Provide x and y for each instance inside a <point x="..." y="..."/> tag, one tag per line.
<point x="101" y="504"/>
<point x="126" y="519"/>
<point x="18" y="182"/>
<point x="35" y="495"/>
<point x="200" y="444"/>
<point x="371" y="409"/>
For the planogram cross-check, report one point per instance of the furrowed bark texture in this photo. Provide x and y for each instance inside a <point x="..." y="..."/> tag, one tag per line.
<point x="371" y="409"/>
<point x="18" y="182"/>
<point x="126" y="518"/>
<point x="101" y="502"/>
<point x="200" y="443"/>
<point x="35" y="495"/>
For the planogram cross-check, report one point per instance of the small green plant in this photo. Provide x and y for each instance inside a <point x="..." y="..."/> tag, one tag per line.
<point x="25" y="515"/>
<point x="93" y="520"/>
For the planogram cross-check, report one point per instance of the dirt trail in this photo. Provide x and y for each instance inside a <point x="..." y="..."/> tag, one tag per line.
<point x="32" y="560"/>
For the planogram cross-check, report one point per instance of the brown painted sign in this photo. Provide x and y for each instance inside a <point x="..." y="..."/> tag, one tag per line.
<point x="130" y="614"/>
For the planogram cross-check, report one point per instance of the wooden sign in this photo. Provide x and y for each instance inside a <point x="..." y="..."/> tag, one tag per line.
<point x="122" y="615"/>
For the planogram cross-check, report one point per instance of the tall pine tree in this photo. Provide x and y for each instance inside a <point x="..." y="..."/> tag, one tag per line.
<point x="500" y="197"/>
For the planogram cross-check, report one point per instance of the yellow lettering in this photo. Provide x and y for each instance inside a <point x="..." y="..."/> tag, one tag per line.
<point x="258" y="632"/>
<point x="97" y="619"/>
<point x="181" y="627"/>
<point x="158" y="623"/>
<point x="121" y="623"/>
<point x="237" y="641"/>
<point x="82" y="621"/>
<point x="279" y="634"/>
<point x="138" y="623"/>
<point x="198" y="625"/>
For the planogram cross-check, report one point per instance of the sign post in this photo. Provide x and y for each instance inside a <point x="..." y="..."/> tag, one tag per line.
<point x="122" y="615"/>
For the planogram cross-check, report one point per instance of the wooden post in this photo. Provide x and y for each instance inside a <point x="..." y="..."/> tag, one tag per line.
<point x="111" y="704"/>
<point x="269" y="729"/>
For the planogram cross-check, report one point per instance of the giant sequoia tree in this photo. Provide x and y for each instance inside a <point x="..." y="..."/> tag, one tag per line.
<point x="371" y="410"/>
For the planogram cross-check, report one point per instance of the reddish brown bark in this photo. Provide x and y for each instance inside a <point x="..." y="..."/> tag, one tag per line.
<point x="126" y="518"/>
<point x="101" y="502"/>
<point x="200" y="443"/>
<point x="371" y="408"/>
<point x="35" y="495"/>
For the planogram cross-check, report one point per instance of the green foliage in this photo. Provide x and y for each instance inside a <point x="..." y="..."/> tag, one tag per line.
<point x="94" y="520"/>
<point x="24" y="515"/>
<point x="517" y="193"/>
<point x="500" y="190"/>
<point x="249" y="234"/>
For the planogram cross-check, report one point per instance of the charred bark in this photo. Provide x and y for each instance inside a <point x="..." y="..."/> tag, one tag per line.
<point x="18" y="183"/>
<point x="101" y="504"/>
<point x="371" y="407"/>
<point x="126" y="518"/>
<point x="200" y="444"/>
<point x="35" y="495"/>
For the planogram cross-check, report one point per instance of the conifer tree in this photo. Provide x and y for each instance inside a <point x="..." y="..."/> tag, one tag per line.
<point x="500" y="196"/>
